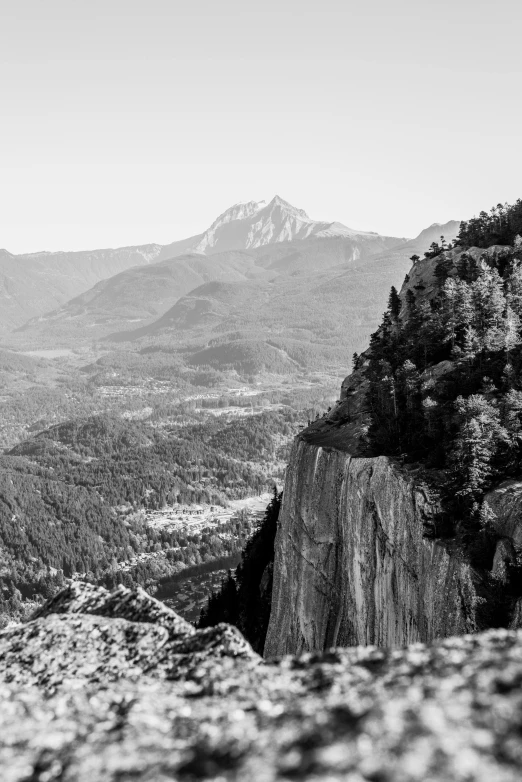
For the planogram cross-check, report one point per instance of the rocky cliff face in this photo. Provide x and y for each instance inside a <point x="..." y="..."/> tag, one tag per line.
<point x="352" y="565"/>
<point x="107" y="687"/>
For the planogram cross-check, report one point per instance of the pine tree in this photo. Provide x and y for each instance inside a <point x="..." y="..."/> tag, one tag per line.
<point x="470" y="345"/>
<point x="412" y="321"/>
<point x="514" y="288"/>
<point x="394" y="304"/>
<point x="489" y="304"/>
<point x="463" y="267"/>
<point x="450" y="319"/>
<point x="443" y="269"/>
<point x="480" y="435"/>
<point x="434" y="250"/>
<point x="408" y="385"/>
<point x="428" y="334"/>
<point x="430" y="410"/>
<point x="511" y="335"/>
<point x="465" y="310"/>
<point x="409" y="379"/>
<point x="240" y="600"/>
<point x="511" y="419"/>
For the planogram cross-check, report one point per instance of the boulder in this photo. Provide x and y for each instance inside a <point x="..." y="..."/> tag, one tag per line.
<point x="101" y="698"/>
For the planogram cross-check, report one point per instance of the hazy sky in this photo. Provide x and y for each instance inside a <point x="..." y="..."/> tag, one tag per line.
<point x="129" y="121"/>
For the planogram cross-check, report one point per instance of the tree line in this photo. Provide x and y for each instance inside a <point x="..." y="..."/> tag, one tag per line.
<point x="244" y="598"/>
<point x="444" y="373"/>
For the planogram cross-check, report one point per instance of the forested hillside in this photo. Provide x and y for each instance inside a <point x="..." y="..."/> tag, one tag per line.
<point x="245" y="595"/>
<point x="75" y="498"/>
<point x="132" y="462"/>
<point x="440" y="391"/>
<point x="445" y="373"/>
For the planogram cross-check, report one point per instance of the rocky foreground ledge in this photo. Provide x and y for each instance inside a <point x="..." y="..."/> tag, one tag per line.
<point x="112" y="686"/>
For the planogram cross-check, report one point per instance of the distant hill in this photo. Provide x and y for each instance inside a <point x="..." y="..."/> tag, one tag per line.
<point x="434" y="233"/>
<point x="134" y="296"/>
<point x="139" y="295"/>
<point x="34" y="284"/>
<point x="302" y="298"/>
<point x="306" y="315"/>
<point x="245" y="356"/>
<point x="17" y="362"/>
<point x="282" y="303"/>
<point x="314" y="311"/>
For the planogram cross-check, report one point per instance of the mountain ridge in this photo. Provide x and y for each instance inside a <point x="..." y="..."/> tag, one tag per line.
<point x="137" y="296"/>
<point x="32" y="284"/>
<point x="254" y="224"/>
<point x="266" y="290"/>
<point x="378" y="270"/>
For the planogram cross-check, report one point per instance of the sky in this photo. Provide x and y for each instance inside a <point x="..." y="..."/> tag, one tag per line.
<point x="131" y="121"/>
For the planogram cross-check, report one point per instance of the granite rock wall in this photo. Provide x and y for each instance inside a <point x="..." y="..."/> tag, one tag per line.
<point x="352" y="563"/>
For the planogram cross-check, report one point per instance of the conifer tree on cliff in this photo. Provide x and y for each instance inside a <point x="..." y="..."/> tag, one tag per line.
<point x="394" y="304"/>
<point x="467" y="328"/>
<point x="479" y="436"/>
<point x="248" y="606"/>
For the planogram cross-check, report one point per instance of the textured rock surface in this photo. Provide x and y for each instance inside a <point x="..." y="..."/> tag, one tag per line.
<point x="452" y="711"/>
<point x="48" y="651"/>
<point x="136" y="606"/>
<point x="89" y="634"/>
<point x="351" y="563"/>
<point x="506" y="503"/>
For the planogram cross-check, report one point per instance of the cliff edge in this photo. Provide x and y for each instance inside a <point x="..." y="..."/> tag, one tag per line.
<point x="353" y="563"/>
<point x="108" y="687"/>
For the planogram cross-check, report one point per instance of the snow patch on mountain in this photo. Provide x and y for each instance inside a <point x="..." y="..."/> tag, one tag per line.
<point x="251" y="224"/>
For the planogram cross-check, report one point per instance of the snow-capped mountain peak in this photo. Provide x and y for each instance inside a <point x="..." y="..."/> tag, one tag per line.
<point x="239" y="211"/>
<point x="250" y="224"/>
<point x="278" y="203"/>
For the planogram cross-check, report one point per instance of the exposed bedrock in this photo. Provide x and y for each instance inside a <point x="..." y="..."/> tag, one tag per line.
<point x="352" y="565"/>
<point x="112" y="686"/>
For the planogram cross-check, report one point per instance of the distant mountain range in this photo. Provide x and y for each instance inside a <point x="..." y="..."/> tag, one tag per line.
<point x="139" y="295"/>
<point x="37" y="283"/>
<point x="40" y="283"/>
<point x="316" y="309"/>
<point x="255" y="223"/>
<point x="286" y="307"/>
<point x="434" y="233"/>
<point x="264" y="286"/>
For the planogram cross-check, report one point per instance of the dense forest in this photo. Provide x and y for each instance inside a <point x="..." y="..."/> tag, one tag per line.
<point x="245" y="596"/>
<point x="445" y="373"/>
<point x="502" y="225"/>
<point x="73" y="498"/>
<point x="133" y="462"/>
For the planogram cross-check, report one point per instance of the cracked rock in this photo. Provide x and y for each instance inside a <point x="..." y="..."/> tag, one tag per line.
<point x="102" y="698"/>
